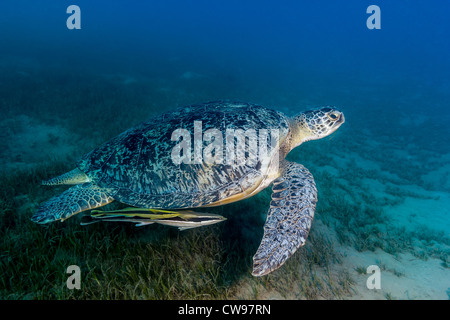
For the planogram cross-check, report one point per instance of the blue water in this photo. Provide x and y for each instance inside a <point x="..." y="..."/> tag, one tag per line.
<point x="63" y="92"/>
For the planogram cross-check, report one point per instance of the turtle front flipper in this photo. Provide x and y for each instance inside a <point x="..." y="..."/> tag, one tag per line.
<point x="79" y="198"/>
<point x="289" y="219"/>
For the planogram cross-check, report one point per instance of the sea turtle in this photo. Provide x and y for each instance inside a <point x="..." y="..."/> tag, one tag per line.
<point x="150" y="166"/>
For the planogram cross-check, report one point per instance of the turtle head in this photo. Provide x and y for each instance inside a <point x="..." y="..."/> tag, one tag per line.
<point x="316" y="124"/>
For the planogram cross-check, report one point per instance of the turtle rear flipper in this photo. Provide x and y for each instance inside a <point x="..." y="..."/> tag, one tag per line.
<point x="79" y="198"/>
<point x="289" y="219"/>
<point x="76" y="176"/>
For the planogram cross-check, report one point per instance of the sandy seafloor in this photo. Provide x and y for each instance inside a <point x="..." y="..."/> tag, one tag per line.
<point x="406" y="178"/>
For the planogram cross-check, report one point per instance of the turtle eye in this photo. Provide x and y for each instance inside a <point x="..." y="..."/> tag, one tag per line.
<point x="333" y="116"/>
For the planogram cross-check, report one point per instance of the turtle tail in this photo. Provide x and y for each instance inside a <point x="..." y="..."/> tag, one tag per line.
<point x="76" y="176"/>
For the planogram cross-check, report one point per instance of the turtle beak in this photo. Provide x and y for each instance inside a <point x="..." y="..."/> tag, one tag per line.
<point x="341" y="119"/>
<point x="337" y="123"/>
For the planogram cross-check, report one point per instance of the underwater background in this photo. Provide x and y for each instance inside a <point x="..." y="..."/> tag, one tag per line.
<point x="383" y="178"/>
